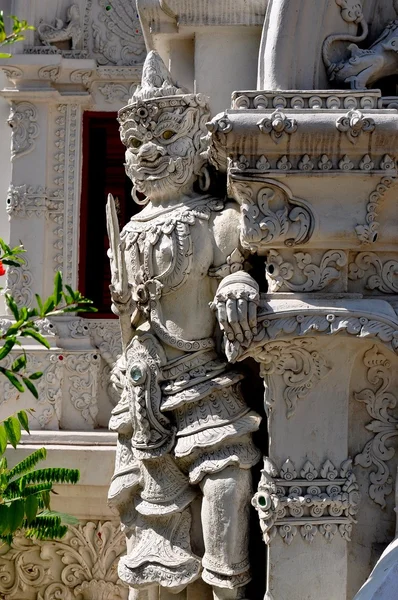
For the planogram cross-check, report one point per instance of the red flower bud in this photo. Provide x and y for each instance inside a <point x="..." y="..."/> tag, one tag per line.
<point x="2" y="269"/>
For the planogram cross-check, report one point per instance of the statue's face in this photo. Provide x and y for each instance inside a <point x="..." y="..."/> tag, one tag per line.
<point x="162" y="156"/>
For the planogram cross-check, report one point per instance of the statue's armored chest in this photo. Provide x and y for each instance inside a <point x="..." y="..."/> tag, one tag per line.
<point x="170" y="246"/>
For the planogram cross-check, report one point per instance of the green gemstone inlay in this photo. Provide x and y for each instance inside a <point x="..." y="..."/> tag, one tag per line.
<point x="135" y="373"/>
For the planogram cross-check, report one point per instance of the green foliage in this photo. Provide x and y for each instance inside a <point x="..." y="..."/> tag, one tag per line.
<point x="63" y="300"/>
<point x="18" y="27"/>
<point x="25" y="491"/>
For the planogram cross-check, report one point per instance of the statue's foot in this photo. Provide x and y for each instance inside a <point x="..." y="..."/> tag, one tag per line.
<point x="228" y="594"/>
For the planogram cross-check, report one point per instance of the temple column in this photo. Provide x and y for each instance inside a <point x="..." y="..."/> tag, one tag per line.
<point x="315" y="183"/>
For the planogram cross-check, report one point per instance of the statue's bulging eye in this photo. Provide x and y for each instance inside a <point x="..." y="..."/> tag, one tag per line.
<point x="135" y="143"/>
<point x="168" y="134"/>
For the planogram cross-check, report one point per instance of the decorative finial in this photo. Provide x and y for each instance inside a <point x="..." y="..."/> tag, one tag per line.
<point x="156" y="80"/>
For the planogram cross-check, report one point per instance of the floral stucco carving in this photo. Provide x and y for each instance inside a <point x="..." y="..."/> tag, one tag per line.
<point x="304" y="274"/>
<point x="379" y="401"/>
<point x="354" y="123"/>
<point x="272" y="215"/>
<point x="299" y="364"/>
<point x="25" y="129"/>
<point x="82" y="566"/>
<point x="278" y="126"/>
<point x="308" y="500"/>
<point x="378" y="274"/>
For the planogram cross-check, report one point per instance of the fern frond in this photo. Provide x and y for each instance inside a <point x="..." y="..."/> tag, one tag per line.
<point x="50" y="475"/>
<point x="14" y="492"/>
<point x="28" y="463"/>
<point x="45" y="526"/>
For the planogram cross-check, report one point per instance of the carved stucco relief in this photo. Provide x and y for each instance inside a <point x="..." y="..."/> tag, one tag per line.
<point x="368" y="232"/>
<point x="48" y="407"/>
<point x="303" y="271"/>
<point x="19" y="282"/>
<point x="380" y="402"/>
<point x="82" y="566"/>
<point x="271" y="215"/>
<point x="375" y="272"/>
<point x="309" y="500"/>
<point x="65" y="193"/>
<point x="112" y="32"/>
<point x="309" y="164"/>
<point x="364" y="66"/>
<point x="300" y="366"/>
<point x="25" y="129"/>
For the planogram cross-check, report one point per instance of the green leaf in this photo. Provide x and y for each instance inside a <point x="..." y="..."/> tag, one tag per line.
<point x="10" y="263"/>
<point x="18" y="364"/>
<point x="31" y="387"/>
<point x="36" y="375"/>
<point x="4" y="525"/>
<point x="8" y="346"/>
<point x="26" y="465"/>
<point x="57" y="288"/>
<point x="16" y="327"/>
<point x="12" y="305"/>
<point x="71" y="292"/>
<point x="48" y="305"/>
<point x="3" y="439"/>
<point x="31" y="508"/>
<point x="12" y="379"/>
<point x="13" y="430"/>
<point x="37" y="336"/>
<point x="23" y="419"/>
<point x="16" y="514"/>
<point x="39" y="304"/>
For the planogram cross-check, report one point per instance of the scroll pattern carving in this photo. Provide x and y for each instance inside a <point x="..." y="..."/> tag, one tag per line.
<point x="116" y="32"/>
<point x="25" y="129"/>
<point x="280" y="273"/>
<point x="308" y="500"/>
<point x="19" y="283"/>
<point x="300" y="366"/>
<point x="82" y="371"/>
<point x="382" y="277"/>
<point x="82" y="565"/>
<point x="272" y="325"/>
<point x="66" y="192"/>
<point x="26" y="201"/>
<point x="379" y="402"/>
<point x="368" y="233"/>
<point x="113" y="92"/>
<point x="48" y="406"/>
<point x="273" y="216"/>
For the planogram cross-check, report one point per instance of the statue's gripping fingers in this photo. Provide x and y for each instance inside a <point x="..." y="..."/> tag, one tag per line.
<point x="236" y="303"/>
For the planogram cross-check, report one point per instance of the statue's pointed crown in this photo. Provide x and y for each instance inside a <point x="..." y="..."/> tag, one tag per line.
<point x="156" y="81"/>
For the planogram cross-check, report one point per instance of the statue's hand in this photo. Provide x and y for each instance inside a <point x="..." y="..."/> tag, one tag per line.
<point x="236" y="303"/>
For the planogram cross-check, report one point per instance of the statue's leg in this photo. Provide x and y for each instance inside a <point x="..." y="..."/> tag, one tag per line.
<point x="225" y="522"/>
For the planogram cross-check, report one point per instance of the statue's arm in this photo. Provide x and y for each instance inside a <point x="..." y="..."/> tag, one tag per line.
<point x="237" y="296"/>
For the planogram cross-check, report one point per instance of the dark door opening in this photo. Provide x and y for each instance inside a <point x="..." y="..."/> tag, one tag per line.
<point x="103" y="173"/>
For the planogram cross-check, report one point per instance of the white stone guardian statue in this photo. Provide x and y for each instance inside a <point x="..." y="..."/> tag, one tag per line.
<point x="184" y="427"/>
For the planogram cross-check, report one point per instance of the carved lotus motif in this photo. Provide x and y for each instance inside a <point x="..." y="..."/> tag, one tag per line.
<point x="354" y="123"/>
<point x="278" y="126"/>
